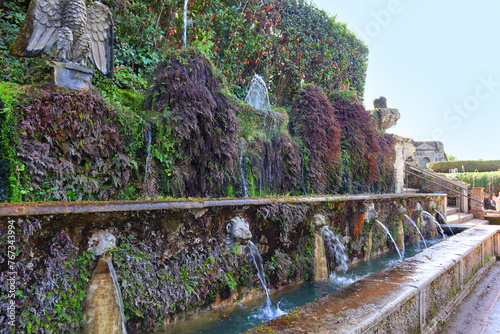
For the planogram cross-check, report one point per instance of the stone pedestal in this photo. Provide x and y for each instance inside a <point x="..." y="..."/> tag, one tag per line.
<point x="71" y="75"/>
<point x="477" y="209"/>
<point x="385" y="118"/>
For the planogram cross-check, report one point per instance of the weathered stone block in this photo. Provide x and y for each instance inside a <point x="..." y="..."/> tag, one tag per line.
<point x="71" y="75"/>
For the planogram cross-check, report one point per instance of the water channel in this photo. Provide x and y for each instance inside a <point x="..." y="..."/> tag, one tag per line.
<point x="244" y="316"/>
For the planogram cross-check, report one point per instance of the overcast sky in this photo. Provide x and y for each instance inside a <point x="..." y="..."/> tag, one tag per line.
<point x="438" y="63"/>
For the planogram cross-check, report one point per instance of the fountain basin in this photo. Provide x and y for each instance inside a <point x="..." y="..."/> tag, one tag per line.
<point x="161" y="234"/>
<point x="413" y="296"/>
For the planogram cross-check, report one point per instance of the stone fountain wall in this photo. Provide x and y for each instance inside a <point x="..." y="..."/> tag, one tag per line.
<point x="172" y="258"/>
<point x="414" y="296"/>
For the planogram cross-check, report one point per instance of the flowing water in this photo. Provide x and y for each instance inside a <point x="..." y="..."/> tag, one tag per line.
<point x="256" y="259"/>
<point x="184" y="27"/>
<point x="118" y="292"/>
<point x="147" y="169"/>
<point x="258" y="95"/>
<point x="444" y="219"/>
<point x="335" y="251"/>
<point x="303" y="178"/>
<point x="244" y="316"/>
<point x="432" y="219"/>
<point x="414" y="224"/>
<point x="390" y="235"/>
<point x="243" y="177"/>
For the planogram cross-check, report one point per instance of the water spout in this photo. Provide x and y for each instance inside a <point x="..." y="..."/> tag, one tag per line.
<point x="258" y="95"/>
<point x="418" y="230"/>
<point x="118" y="293"/>
<point x="184" y="36"/>
<point x="431" y="218"/>
<point x="335" y="251"/>
<point x="444" y="219"/>
<point x="392" y="239"/>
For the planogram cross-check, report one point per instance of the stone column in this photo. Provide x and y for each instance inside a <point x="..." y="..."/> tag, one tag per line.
<point x="404" y="149"/>
<point x="464" y="202"/>
<point x="477" y="209"/>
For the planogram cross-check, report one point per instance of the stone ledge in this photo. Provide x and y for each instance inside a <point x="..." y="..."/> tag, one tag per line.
<point x="36" y="209"/>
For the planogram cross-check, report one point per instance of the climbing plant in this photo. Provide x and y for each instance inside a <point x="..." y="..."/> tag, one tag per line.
<point x="50" y="288"/>
<point x="69" y="147"/>
<point x="313" y="120"/>
<point x="196" y="145"/>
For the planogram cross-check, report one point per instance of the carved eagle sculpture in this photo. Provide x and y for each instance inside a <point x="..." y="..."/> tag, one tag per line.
<point x="77" y="31"/>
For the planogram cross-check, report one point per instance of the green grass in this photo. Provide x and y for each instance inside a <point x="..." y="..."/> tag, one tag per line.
<point x="480" y="179"/>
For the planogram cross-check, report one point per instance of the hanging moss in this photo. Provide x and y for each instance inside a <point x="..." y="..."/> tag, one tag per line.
<point x="69" y="146"/>
<point x="4" y="178"/>
<point x="50" y="283"/>
<point x="313" y="120"/>
<point x="365" y="154"/>
<point x="196" y="142"/>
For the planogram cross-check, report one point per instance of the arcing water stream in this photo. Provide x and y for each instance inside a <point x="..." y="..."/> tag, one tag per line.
<point x="414" y="224"/>
<point x="444" y="219"/>
<point x="390" y="235"/>
<point x="431" y="218"/>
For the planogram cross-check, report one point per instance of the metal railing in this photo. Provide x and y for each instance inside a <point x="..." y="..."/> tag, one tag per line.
<point x="431" y="175"/>
<point x="434" y="176"/>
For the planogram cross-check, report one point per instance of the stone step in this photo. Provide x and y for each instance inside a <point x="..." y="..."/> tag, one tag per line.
<point x="410" y="191"/>
<point x="451" y="210"/>
<point x="470" y="223"/>
<point x="464" y="217"/>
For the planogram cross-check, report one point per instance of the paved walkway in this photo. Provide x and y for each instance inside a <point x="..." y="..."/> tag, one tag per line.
<point x="479" y="313"/>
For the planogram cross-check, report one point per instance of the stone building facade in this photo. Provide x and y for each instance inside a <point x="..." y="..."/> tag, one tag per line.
<point x="429" y="151"/>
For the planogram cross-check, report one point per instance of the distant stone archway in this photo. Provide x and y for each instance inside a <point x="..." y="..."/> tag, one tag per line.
<point x="424" y="161"/>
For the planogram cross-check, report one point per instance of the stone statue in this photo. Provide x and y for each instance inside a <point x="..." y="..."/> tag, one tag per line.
<point x="78" y="32"/>
<point x="370" y="212"/>
<point x="381" y="102"/>
<point x="237" y="231"/>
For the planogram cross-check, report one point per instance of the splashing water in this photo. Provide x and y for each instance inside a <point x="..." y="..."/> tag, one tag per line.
<point x="444" y="219"/>
<point x="254" y="257"/>
<point x="414" y="224"/>
<point x="430" y="217"/>
<point x="389" y="234"/>
<point x="335" y="251"/>
<point x="184" y="36"/>
<point x="258" y="95"/>
<point x="118" y="293"/>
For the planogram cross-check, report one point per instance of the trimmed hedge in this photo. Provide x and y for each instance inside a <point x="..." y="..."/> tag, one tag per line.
<point x="468" y="165"/>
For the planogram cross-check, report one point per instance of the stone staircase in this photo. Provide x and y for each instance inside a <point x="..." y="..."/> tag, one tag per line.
<point x="454" y="217"/>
